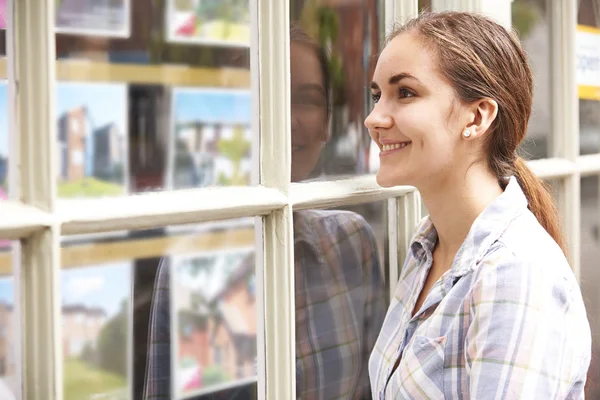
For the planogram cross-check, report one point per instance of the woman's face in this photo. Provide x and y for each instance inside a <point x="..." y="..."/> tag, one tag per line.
<point x="417" y="122"/>
<point x="309" y="110"/>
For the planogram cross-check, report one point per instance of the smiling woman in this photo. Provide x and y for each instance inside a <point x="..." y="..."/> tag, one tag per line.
<point x="486" y="269"/>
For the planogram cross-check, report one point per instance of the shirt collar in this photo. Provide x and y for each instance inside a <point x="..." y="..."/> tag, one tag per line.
<point x="486" y="229"/>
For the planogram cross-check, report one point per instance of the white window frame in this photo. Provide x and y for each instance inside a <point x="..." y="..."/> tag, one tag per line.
<point x="37" y="218"/>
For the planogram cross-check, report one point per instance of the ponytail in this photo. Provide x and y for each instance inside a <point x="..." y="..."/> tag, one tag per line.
<point x="540" y="201"/>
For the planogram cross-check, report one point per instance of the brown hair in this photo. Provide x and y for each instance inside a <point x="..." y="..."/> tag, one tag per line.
<point x="481" y="59"/>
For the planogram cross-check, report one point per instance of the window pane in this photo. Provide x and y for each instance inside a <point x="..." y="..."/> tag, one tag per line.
<point x="588" y="75"/>
<point x="531" y="20"/>
<point x="341" y="298"/>
<point x="333" y="48"/>
<point x="590" y="273"/>
<point x="140" y="303"/>
<point x="161" y="101"/>
<point x="9" y="328"/>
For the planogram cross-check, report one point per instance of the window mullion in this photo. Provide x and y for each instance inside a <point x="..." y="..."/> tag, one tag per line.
<point x="31" y="78"/>
<point x="275" y="172"/>
<point x="565" y="105"/>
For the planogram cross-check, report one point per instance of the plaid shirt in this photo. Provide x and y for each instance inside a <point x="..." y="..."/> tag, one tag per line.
<point x="340" y="306"/>
<point x="507" y="321"/>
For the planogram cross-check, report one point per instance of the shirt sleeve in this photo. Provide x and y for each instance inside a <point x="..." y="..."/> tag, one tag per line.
<point x="528" y="336"/>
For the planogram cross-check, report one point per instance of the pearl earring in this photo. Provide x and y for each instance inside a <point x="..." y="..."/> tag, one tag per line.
<point x="467" y="133"/>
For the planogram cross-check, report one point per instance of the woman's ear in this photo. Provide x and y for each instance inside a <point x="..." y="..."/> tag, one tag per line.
<point x="484" y="114"/>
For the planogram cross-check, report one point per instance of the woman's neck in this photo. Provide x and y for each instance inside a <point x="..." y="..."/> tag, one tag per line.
<point x="454" y="204"/>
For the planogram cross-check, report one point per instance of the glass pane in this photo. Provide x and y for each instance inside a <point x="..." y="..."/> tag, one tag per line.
<point x="588" y="75"/>
<point x="198" y="340"/>
<point x="333" y="48"/>
<point x="9" y="324"/>
<point x="161" y="101"/>
<point x="590" y="273"/>
<point x="341" y="298"/>
<point x="531" y="20"/>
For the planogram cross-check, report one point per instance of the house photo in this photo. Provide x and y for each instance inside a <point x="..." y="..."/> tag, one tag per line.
<point x="215" y="306"/>
<point x="92" y="140"/>
<point x="212" y="135"/>
<point x="96" y="331"/>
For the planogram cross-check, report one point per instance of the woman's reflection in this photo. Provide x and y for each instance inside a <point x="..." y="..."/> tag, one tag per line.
<point x="339" y="292"/>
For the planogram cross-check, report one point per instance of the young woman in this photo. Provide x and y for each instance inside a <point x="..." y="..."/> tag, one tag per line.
<point x="487" y="306"/>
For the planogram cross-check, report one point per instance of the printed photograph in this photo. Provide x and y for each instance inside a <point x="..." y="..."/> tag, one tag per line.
<point x="212" y="136"/>
<point x="214" y="301"/>
<point x="4" y="143"/>
<point x="92" y="139"/>
<point x="8" y="341"/>
<point x="93" y="17"/>
<point x="2" y="14"/>
<point x="96" y="328"/>
<point x="214" y="22"/>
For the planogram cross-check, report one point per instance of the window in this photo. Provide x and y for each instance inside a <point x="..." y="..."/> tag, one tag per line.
<point x="167" y="106"/>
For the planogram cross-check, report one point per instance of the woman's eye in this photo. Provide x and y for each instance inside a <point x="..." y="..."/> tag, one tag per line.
<point x="404" y="93"/>
<point x="375" y="97"/>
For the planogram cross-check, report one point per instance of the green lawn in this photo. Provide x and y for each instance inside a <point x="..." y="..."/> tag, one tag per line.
<point x="81" y="382"/>
<point x="89" y="187"/>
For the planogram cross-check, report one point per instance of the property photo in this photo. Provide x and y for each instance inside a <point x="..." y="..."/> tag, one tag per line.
<point x="93" y="17"/>
<point x="212" y="136"/>
<point x="8" y="341"/>
<point x="215" y="22"/>
<point x="214" y="301"/>
<point x="92" y="140"/>
<point x="4" y="142"/>
<point x="96" y="326"/>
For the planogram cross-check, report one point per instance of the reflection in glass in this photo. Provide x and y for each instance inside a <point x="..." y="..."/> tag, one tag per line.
<point x="161" y="101"/>
<point x="590" y="273"/>
<point x="202" y="323"/>
<point x="340" y="299"/>
<point x="9" y="332"/>
<point x="588" y="73"/>
<point x="530" y="19"/>
<point x="214" y="311"/>
<point x="333" y="48"/>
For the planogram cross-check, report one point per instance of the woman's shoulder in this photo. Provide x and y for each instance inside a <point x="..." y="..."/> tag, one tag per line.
<point x="531" y="245"/>
<point x="526" y="260"/>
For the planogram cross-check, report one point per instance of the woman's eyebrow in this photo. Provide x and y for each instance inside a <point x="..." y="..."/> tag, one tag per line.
<point x="395" y="79"/>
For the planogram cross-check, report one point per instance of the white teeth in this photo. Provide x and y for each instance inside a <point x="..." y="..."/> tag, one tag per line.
<point x="388" y="147"/>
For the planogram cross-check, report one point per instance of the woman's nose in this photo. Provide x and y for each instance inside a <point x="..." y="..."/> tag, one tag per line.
<point x="378" y="119"/>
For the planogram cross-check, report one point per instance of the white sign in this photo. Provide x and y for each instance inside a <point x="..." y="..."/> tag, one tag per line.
<point x="588" y="62"/>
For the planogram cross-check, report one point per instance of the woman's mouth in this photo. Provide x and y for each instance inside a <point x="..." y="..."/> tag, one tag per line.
<point x="392" y="148"/>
